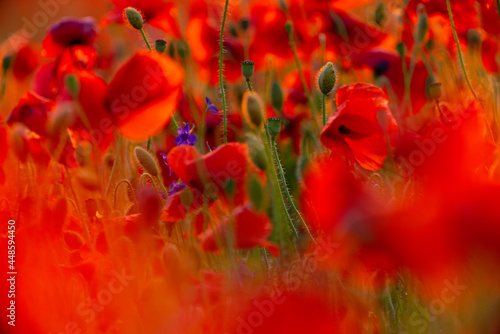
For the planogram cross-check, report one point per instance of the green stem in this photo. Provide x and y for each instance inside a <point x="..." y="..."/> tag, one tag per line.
<point x="175" y="122"/>
<point x="148" y="147"/>
<point x="285" y="187"/>
<point x="249" y="86"/>
<point x="324" y="109"/>
<point x="498" y="8"/>
<point x="115" y="163"/>
<point x="459" y="51"/>
<point x="221" y="81"/>
<point x="145" y="39"/>
<point x="303" y="79"/>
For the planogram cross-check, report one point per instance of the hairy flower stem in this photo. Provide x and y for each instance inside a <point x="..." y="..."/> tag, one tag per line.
<point x="221" y="81"/>
<point x="283" y="180"/>
<point x="115" y="163"/>
<point x="459" y="51"/>
<point x="323" y="103"/>
<point x="145" y="39"/>
<point x="249" y="85"/>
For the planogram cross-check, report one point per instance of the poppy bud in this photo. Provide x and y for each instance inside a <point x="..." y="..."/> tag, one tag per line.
<point x="327" y="79"/>
<point x="473" y="38"/>
<point x="253" y="110"/>
<point x="182" y="49"/>
<point x="244" y="24"/>
<point x="146" y="161"/>
<point x="6" y="63"/>
<point x="160" y="45"/>
<point x="423" y="23"/>
<point x="289" y="27"/>
<point x="247" y="68"/>
<point x="401" y="49"/>
<point x="60" y="119"/>
<point x="435" y="90"/>
<point x="276" y="96"/>
<point x="88" y="180"/>
<point x="187" y="197"/>
<point x="256" y="193"/>
<point x="380" y="14"/>
<point x="273" y="126"/>
<point x="134" y="17"/>
<point x="257" y="151"/>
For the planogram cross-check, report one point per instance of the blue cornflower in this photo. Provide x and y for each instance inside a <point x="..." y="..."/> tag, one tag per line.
<point x="175" y="188"/>
<point x="213" y="109"/>
<point x="185" y="136"/>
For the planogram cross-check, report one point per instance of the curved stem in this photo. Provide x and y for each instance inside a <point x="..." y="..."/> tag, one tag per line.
<point x="282" y="174"/>
<point x="459" y="51"/>
<point x="129" y="186"/>
<point x="221" y="81"/>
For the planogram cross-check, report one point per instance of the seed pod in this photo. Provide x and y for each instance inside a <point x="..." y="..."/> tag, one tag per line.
<point x="253" y="110"/>
<point x="273" y="126"/>
<point x="134" y="18"/>
<point x="327" y="78"/>
<point x="247" y="68"/>
<point x="160" y="45"/>
<point x="146" y="160"/>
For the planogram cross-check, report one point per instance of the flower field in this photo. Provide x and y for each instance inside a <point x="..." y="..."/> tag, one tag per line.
<point x="250" y="166"/>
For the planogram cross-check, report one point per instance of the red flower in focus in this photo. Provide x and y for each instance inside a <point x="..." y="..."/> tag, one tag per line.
<point x="354" y="131"/>
<point x="144" y="94"/>
<point x="250" y="229"/>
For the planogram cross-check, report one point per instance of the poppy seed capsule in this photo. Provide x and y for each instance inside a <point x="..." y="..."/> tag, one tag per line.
<point x="160" y="45"/>
<point x="253" y="110"/>
<point x="435" y="90"/>
<point x="134" y="18"/>
<point x="247" y="68"/>
<point x="146" y="161"/>
<point x="327" y="79"/>
<point x="401" y="49"/>
<point x="273" y="126"/>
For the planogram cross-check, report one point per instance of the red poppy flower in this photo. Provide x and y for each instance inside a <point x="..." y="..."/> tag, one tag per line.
<point x="91" y="98"/>
<point x="354" y="131"/>
<point x="160" y="14"/>
<point x="32" y="110"/>
<point x="250" y="228"/>
<point x="67" y="33"/>
<point x="25" y="62"/>
<point x="211" y="171"/>
<point x="144" y="94"/>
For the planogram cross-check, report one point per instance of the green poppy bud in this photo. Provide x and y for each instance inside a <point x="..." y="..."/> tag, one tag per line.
<point x="435" y="90"/>
<point x="134" y="17"/>
<point x="276" y="96"/>
<point x="327" y="78"/>
<point x="146" y="161"/>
